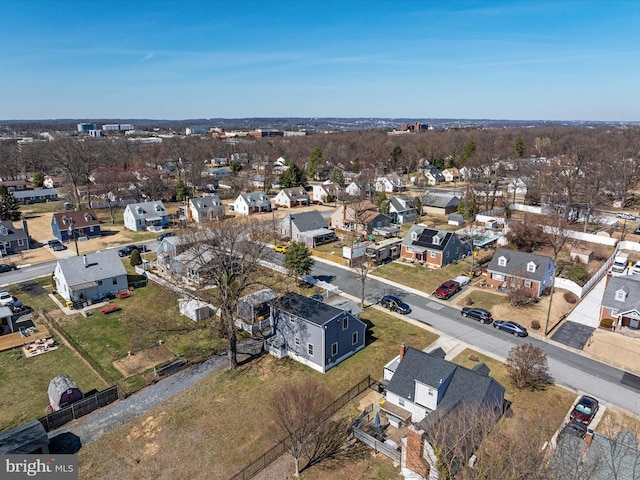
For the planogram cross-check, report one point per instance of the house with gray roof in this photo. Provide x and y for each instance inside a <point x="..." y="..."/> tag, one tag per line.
<point x="439" y="203"/>
<point x="25" y="197"/>
<point x="90" y="277"/>
<point x="205" y="208"/>
<point x="402" y="209"/>
<point x="424" y="389"/>
<point x="249" y="203"/>
<point x="527" y="272"/>
<point x="145" y="216"/>
<point x="12" y="239"/>
<point x="309" y="228"/>
<point x="621" y="301"/>
<point x="312" y="332"/>
<point x="432" y="247"/>
<point x="292" y="197"/>
<point x="433" y="175"/>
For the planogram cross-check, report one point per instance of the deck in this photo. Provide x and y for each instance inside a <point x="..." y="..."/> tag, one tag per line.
<point x="13" y="340"/>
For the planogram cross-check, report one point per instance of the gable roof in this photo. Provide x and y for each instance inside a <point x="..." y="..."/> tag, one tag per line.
<point x="439" y="200"/>
<point x="253" y="198"/>
<point x="210" y="203"/>
<point x="147" y="210"/>
<point x="517" y="264"/>
<point x="315" y="312"/>
<point x="306" y="221"/>
<point x="401" y="203"/>
<point x="80" y="218"/>
<point x="12" y="233"/>
<point x="100" y="265"/>
<point x="296" y="193"/>
<point x="35" y="193"/>
<point x="425" y="237"/>
<point x="630" y="283"/>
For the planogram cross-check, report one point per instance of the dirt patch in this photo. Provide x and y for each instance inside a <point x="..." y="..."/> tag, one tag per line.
<point x="143" y="360"/>
<point x="615" y="349"/>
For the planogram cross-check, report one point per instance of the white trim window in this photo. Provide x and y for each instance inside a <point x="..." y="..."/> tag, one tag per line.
<point x="354" y="338"/>
<point x="310" y="349"/>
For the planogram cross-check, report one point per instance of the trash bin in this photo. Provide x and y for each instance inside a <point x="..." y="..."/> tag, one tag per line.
<point x="69" y="305"/>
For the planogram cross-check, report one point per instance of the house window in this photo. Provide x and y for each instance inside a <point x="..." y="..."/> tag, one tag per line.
<point x="414" y="235"/>
<point x="436" y="240"/>
<point x="447" y="254"/>
<point x="527" y="283"/>
<point x="497" y="276"/>
<point x="291" y="319"/>
<point x="613" y="312"/>
<point x="334" y="349"/>
<point x="401" y="402"/>
<point x="531" y="267"/>
<point x="621" y="295"/>
<point x="296" y="340"/>
<point x="431" y="392"/>
<point x="433" y="254"/>
<point x="114" y="280"/>
<point x="354" y="338"/>
<point x="345" y="323"/>
<point x="99" y="282"/>
<point x="20" y="242"/>
<point x="502" y="261"/>
<point x="310" y="349"/>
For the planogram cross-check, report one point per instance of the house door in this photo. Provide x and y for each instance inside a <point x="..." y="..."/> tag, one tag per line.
<point x="633" y="323"/>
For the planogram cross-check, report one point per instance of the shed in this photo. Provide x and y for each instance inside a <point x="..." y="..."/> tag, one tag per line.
<point x="456" y="219"/>
<point x="63" y="392"/>
<point x="581" y="255"/>
<point x="195" y="309"/>
<point x="30" y="437"/>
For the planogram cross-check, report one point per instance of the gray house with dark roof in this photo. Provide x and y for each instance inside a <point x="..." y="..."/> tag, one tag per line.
<point x="90" y="277"/>
<point x="430" y="246"/>
<point x="402" y="209"/>
<point x="12" y="239"/>
<point x="512" y="269"/>
<point x="307" y="227"/>
<point x="621" y="301"/>
<point x="312" y="332"/>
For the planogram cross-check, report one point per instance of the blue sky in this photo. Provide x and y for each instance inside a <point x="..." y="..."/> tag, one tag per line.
<point x="519" y="60"/>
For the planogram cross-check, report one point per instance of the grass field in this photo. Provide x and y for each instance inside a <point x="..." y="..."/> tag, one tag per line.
<point x="223" y="422"/>
<point x="421" y="278"/>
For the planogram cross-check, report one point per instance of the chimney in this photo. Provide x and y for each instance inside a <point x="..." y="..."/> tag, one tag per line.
<point x="85" y="261"/>
<point x="587" y="443"/>
<point x="403" y="348"/>
<point x="416" y="462"/>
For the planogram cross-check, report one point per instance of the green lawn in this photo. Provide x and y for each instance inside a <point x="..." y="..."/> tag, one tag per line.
<point x="421" y="278"/>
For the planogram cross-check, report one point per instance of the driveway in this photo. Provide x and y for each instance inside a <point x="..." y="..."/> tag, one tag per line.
<point x="572" y="334"/>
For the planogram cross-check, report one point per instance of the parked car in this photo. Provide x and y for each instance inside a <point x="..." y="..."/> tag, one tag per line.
<point x="395" y="304"/>
<point x="7" y="268"/>
<point x="636" y="268"/>
<point x="574" y="428"/>
<point x="6" y="299"/>
<point x="480" y="314"/>
<point x="56" y="245"/>
<point x="626" y="216"/>
<point x="637" y="230"/>
<point x="462" y="280"/>
<point x="126" y="251"/>
<point x="511" y="327"/>
<point x="281" y="248"/>
<point x="585" y="410"/>
<point x="162" y="236"/>
<point x="447" y="290"/>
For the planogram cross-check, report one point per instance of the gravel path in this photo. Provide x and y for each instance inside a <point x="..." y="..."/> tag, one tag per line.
<point x="70" y="437"/>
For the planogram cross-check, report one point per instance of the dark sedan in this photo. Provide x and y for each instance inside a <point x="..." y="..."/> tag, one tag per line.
<point x="395" y="304"/>
<point x="7" y="268"/>
<point x="480" y="314"/>
<point x="585" y="410"/>
<point x="126" y="251"/>
<point x="511" y="327"/>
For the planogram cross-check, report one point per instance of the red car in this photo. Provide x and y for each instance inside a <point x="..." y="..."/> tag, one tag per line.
<point x="585" y="410"/>
<point x="447" y="289"/>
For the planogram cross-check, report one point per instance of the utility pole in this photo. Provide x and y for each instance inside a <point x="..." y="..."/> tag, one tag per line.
<point x="553" y="283"/>
<point x="72" y="232"/>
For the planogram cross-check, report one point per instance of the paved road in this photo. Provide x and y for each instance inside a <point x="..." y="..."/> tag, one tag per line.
<point x="569" y="368"/>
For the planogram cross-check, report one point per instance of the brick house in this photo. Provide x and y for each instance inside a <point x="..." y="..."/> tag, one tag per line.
<point x="430" y="246"/>
<point x="621" y="301"/>
<point x="511" y="269"/>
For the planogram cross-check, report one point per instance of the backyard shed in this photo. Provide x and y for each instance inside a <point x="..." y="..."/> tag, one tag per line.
<point x="456" y="219"/>
<point x="63" y="392"/>
<point x="582" y="255"/>
<point x="195" y="309"/>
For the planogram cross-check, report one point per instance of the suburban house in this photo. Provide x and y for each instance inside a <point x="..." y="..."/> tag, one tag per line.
<point x="292" y="197"/>
<point x="145" y="215"/>
<point x="621" y="301"/>
<point x="436" y="203"/>
<point x="12" y="239"/>
<point x="359" y="217"/>
<point x="192" y="264"/>
<point x="353" y="189"/>
<point x="511" y="269"/>
<point x="424" y="389"/>
<point x="326" y="192"/>
<point x="451" y="174"/>
<point x="433" y="175"/>
<point x="53" y="181"/>
<point x="249" y="203"/>
<point x="14" y="185"/>
<point x="26" y="197"/>
<point x="312" y="332"/>
<point x="402" y="209"/>
<point x="90" y="277"/>
<point x="205" y="208"/>
<point x="389" y="183"/>
<point x="81" y="224"/>
<point x="309" y="228"/>
<point x="169" y="248"/>
<point x="432" y="247"/>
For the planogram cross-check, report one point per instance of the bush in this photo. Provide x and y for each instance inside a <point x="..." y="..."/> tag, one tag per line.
<point x="474" y="358"/>
<point x="578" y="274"/>
<point x="535" y="325"/>
<point x="570" y="297"/>
<point x="468" y="302"/>
<point x="606" y="323"/>
<point x="528" y="368"/>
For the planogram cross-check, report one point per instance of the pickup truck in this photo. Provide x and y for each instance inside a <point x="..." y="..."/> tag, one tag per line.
<point x="447" y="290"/>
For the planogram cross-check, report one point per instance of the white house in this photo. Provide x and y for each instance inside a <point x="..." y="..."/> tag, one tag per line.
<point x="205" y="208"/>
<point x="353" y="189"/>
<point x="389" y="183"/>
<point x="324" y="191"/>
<point x="248" y="203"/>
<point x="145" y="215"/>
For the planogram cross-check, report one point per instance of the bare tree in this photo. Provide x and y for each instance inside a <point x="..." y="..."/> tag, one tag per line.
<point x="360" y="270"/>
<point x="299" y="412"/>
<point x="527" y="367"/>
<point x="555" y="232"/>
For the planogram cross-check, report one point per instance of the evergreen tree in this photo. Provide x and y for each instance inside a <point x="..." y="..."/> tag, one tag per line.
<point x="136" y="258"/>
<point x="518" y="147"/>
<point x="38" y="179"/>
<point x="337" y="176"/>
<point x="316" y="164"/>
<point x="235" y="168"/>
<point x="182" y="191"/>
<point x="298" y="259"/>
<point x="9" y="206"/>
<point x="292" y="177"/>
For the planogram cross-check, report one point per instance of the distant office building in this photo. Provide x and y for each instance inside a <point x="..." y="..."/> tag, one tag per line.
<point x="117" y="127"/>
<point x="194" y="130"/>
<point x="95" y="133"/>
<point x="266" y="132"/>
<point x="86" y="127"/>
<point x="125" y="127"/>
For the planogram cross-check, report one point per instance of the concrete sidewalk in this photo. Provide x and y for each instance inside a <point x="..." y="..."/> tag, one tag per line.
<point x="587" y="311"/>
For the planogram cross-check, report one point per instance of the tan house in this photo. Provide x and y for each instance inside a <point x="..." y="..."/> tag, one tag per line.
<point x="292" y="197"/>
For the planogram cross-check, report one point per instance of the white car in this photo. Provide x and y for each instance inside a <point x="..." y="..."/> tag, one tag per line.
<point x="626" y="216"/>
<point x="636" y="268"/>
<point x="6" y="299"/>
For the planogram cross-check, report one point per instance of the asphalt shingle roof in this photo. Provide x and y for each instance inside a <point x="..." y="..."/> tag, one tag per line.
<point x="307" y="308"/>
<point x="517" y="264"/>
<point x="629" y="283"/>
<point x="425" y="237"/>
<point x="101" y="265"/>
<point x="306" y="221"/>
